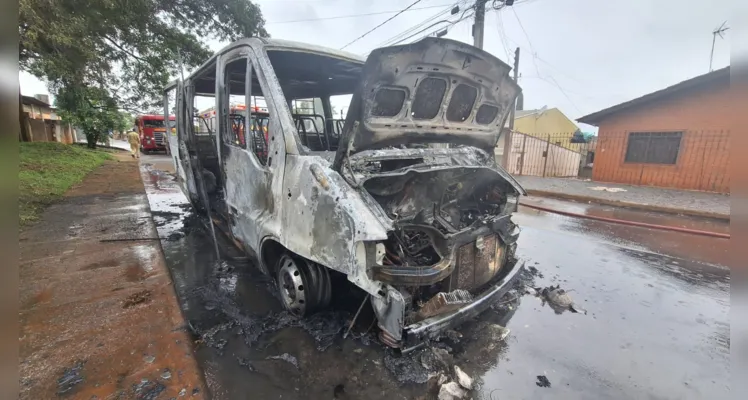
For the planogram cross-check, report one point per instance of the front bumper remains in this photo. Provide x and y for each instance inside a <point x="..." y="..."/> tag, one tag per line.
<point x="417" y="334"/>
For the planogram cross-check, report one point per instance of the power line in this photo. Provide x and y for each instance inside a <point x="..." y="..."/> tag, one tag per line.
<point x="532" y="48"/>
<point x="421" y="31"/>
<point x="535" y="57"/>
<point x="451" y="24"/>
<point x="353" y="15"/>
<point x="422" y="23"/>
<point x="502" y="35"/>
<point x="553" y="80"/>
<point x="376" y="27"/>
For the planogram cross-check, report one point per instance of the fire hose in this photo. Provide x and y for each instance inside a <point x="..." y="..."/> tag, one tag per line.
<point x="630" y="223"/>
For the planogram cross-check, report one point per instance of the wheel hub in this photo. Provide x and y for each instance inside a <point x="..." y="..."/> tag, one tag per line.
<point x="292" y="286"/>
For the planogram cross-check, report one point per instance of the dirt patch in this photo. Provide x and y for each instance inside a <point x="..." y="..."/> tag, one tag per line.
<point x="134" y="273"/>
<point x="108" y="263"/>
<point x="118" y="176"/>
<point x="141" y="297"/>
<point x="42" y="296"/>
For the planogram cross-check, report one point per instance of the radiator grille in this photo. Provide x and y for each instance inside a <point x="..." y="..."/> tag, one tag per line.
<point x="158" y="137"/>
<point x="478" y="262"/>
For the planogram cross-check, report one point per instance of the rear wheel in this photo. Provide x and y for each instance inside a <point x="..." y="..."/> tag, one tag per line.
<point x="304" y="286"/>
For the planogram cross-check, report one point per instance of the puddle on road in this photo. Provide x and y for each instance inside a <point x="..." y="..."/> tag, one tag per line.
<point x="245" y="343"/>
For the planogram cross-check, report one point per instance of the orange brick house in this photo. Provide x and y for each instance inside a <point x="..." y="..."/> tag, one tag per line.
<point x="677" y="137"/>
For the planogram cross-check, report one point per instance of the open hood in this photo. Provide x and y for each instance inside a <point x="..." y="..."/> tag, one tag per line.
<point x="432" y="91"/>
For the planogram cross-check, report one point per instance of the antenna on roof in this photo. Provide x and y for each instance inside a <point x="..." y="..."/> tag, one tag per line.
<point x="717" y="32"/>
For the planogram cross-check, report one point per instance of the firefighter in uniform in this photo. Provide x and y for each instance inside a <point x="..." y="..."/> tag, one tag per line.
<point x="134" y="140"/>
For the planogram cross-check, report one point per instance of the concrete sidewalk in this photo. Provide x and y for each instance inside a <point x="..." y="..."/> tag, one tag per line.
<point x="701" y="204"/>
<point x="100" y="319"/>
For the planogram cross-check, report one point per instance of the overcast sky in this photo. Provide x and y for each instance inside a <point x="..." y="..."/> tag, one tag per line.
<point x="578" y="55"/>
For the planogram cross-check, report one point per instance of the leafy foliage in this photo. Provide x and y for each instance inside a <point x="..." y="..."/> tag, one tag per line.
<point x="99" y="56"/>
<point x="90" y="109"/>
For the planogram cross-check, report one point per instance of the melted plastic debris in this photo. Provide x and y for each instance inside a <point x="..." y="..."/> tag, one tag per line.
<point x="325" y="327"/>
<point x="451" y="391"/>
<point x="543" y="381"/>
<point x="508" y="302"/>
<point x="287" y="358"/>
<point x="463" y="379"/>
<point x="209" y="337"/>
<point x="148" y="390"/>
<point x="558" y="299"/>
<point x="246" y="364"/>
<point x="406" y="367"/>
<point x="70" y="378"/>
<point x="436" y="359"/>
<point x="366" y="339"/>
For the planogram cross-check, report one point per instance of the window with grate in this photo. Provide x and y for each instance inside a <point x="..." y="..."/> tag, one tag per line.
<point x="653" y="147"/>
<point x="429" y="97"/>
<point x="388" y="102"/>
<point x="461" y="104"/>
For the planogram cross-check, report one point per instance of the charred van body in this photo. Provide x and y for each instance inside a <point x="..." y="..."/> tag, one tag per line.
<point x="403" y="196"/>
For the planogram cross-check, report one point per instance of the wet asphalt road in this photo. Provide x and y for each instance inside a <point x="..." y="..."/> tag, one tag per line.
<point x="656" y="325"/>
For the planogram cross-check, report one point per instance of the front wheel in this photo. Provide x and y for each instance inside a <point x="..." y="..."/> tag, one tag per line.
<point x="304" y="286"/>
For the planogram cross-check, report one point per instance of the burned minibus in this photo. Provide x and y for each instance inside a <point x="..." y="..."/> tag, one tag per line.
<point x="403" y="196"/>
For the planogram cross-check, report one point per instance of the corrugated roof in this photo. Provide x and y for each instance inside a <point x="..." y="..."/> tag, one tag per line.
<point x="719" y="75"/>
<point x="34" y="101"/>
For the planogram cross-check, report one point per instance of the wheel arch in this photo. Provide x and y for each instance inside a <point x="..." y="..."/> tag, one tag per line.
<point x="270" y="251"/>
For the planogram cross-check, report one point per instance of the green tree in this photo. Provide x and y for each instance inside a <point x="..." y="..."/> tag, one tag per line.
<point x="102" y="56"/>
<point x="91" y="110"/>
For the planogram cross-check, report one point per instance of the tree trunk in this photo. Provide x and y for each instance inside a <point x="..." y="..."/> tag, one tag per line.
<point x="91" y="139"/>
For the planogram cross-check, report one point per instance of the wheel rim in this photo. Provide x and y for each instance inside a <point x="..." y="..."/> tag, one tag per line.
<point x="291" y="286"/>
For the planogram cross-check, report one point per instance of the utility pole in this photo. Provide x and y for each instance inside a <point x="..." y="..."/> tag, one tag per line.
<point x="478" y="30"/>
<point x="508" y="138"/>
<point x="480" y="19"/>
<point x="719" y="31"/>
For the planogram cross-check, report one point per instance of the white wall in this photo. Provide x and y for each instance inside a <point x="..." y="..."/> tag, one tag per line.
<point x="561" y="162"/>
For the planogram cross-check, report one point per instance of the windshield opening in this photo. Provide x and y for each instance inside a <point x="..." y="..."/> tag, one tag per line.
<point x="318" y="89"/>
<point x="153" y="123"/>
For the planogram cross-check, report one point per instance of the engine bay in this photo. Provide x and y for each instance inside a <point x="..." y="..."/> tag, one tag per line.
<point x="428" y="207"/>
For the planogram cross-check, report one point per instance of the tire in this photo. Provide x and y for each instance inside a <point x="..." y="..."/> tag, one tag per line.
<point x="304" y="287"/>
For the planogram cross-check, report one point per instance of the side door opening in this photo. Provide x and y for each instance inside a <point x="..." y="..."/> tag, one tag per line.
<point x="246" y="163"/>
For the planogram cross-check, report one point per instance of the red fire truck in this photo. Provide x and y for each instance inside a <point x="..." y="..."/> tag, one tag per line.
<point x="152" y="131"/>
<point x="259" y="126"/>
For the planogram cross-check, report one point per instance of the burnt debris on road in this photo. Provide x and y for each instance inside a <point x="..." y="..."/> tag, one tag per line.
<point x="666" y="316"/>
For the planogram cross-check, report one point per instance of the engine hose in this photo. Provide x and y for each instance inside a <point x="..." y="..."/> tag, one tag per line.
<point x="630" y="223"/>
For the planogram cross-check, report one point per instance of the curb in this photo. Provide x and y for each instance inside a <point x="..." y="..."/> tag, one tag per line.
<point x="631" y="223"/>
<point x="101" y="146"/>
<point x="626" y="204"/>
